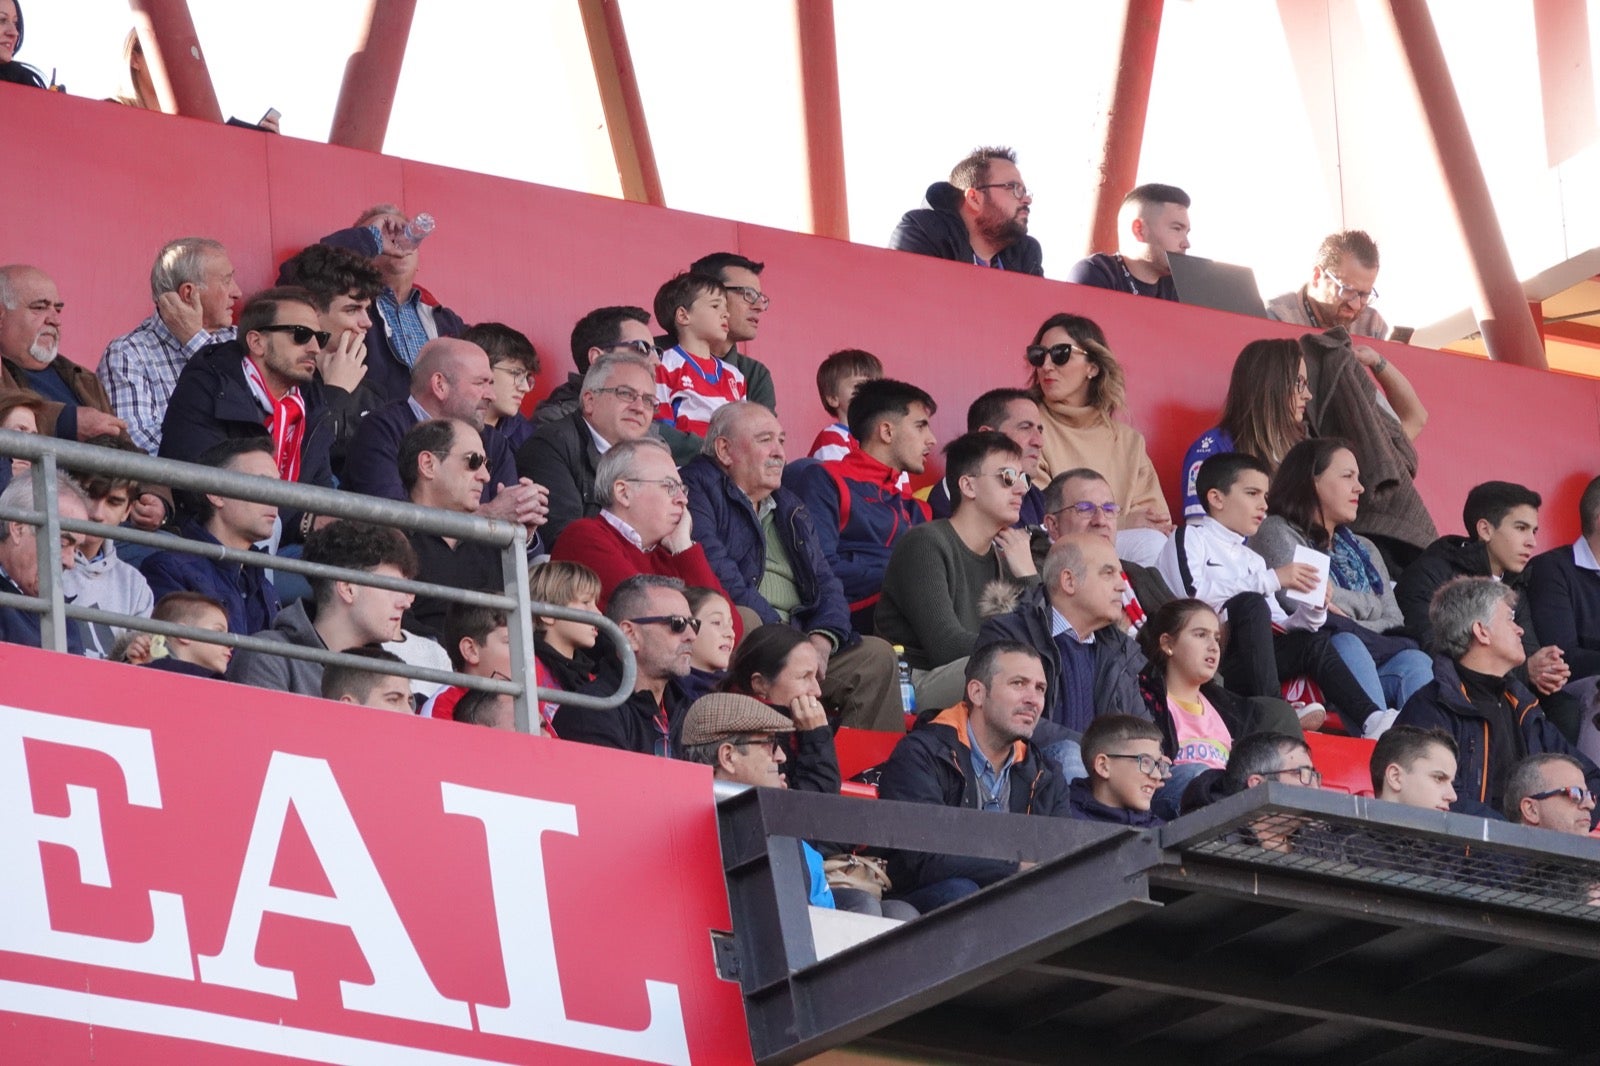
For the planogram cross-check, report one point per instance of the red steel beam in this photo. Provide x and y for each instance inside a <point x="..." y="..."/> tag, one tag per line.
<point x="1498" y="301"/>
<point x="620" y="99"/>
<point x="829" y="206"/>
<point x="1574" y="333"/>
<point x="371" y="75"/>
<point x="1124" y="121"/>
<point x="174" y="60"/>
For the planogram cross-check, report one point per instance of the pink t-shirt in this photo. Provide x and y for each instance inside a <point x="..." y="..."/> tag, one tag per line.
<point x="1202" y="735"/>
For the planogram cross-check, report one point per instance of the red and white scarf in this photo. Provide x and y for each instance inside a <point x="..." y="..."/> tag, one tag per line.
<point x="286" y="420"/>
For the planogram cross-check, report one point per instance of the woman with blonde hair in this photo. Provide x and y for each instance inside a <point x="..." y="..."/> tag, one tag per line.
<point x="1080" y="388"/>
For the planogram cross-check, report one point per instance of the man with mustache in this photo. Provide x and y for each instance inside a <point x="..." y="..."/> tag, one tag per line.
<point x="979" y="216"/>
<point x="760" y="540"/>
<point x="30" y="348"/>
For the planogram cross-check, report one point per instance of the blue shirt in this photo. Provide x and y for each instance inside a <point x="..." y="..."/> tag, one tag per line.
<point x="407" y="334"/>
<point x="994" y="784"/>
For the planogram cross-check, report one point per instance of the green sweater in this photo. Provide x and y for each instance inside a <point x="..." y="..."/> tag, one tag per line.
<point x="930" y="596"/>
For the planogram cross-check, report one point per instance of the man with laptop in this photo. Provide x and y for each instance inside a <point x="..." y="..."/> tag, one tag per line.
<point x="1153" y="222"/>
<point x="1341" y="290"/>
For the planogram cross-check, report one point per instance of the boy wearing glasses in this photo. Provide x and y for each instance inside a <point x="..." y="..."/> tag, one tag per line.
<point x="979" y="216"/>
<point x="1015" y="413"/>
<point x="940" y="572"/>
<point x="692" y="382"/>
<point x="1476" y="697"/>
<point x="1342" y="289"/>
<point x="1125" y="768"/>
<point x="514" y="363"/>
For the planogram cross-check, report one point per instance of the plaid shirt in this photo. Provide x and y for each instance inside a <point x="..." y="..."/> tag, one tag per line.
<point x="407" y="333"/>
<point x="140" y="369"/>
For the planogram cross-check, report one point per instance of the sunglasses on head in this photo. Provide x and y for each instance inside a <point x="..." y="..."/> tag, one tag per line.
<point x="300" y="334"/>
<point x="675" y="622"/>
<point x="1059" y="354"/>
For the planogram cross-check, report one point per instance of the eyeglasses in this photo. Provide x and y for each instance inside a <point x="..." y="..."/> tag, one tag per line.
<point x="475" y="460"/>
<point x="1345" y="292"/>
<point x="628" y="396"/>
<point x="1086" y="509"/>
<point x="1302" y="387"/>
<point x="1019" y="190"/>
<point x="518" y="375"/>
<point x="1008" y="475"/>
<point x="1059" y="355"/>
<point x="1149" y="765"/>
<point x="773" y="744"/>
<point x="46" y="305"/>
<point x="300" y="334"/>
<point x="1307" y="775"/>
<point x="1575" y="793"/>
<point x="644" y="348"/>
<point x="675" y="622"/>
<point x="752" y="296"/>
<point x="673" y="486"/>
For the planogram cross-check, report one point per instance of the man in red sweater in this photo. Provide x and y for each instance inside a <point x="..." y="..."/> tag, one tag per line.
<point x="643" y="526"/>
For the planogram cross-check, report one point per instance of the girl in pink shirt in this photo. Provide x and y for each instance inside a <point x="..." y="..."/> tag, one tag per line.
<point x="1183" y="643"/>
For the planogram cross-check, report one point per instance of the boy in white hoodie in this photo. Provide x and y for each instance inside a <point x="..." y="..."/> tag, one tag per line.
<point x="100" y="579"/>
<point x="1208" y="558"/>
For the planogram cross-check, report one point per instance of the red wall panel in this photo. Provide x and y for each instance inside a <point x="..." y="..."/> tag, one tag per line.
<point x="537" y="258"/>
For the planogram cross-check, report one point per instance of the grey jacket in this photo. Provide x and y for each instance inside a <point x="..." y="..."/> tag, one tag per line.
<point x="1275" y="542"/>
<point x="292" y="626"/>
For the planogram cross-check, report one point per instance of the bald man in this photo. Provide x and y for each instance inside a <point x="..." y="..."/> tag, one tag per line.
<point x="451" y="379"/>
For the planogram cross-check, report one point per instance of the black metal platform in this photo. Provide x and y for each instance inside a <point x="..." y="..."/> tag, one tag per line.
<point x="1283" y="925"/>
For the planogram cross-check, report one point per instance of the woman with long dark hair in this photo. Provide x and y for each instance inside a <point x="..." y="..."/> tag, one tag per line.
<point x="1263" y="415"/>
<point x="778" y="665"/>
<point x="11" y="43"/>
<point x="1313" y="499"/>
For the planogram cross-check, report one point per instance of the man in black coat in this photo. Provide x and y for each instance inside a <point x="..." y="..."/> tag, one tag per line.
<point x="262" y="384"/>
<point x="978" y="755"/>
<point x="979" y="216"/>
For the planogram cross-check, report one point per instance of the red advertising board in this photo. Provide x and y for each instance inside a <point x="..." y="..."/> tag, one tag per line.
<point x="193" y="871"/>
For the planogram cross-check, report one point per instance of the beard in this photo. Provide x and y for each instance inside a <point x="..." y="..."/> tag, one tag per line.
<point x="45" y="351"/>
<point x="1002" y="230"/>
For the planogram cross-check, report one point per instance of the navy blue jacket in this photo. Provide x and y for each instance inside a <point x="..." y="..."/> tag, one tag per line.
<point x="937" y="230"/>
<point x="212" y="402"/>
<point x="387" y="379"/>
<point x="244" y="591"/>
<point x="933" y="764"/>
<point x="1083" y="805"/>
<point x="1443" y="704"/>
<point x="24" y="627"/>
<point x="1564" y="599"/>
<point x="1117" y="660"/>
<point x="725" y="525"/>
<point x="370" y="465"/>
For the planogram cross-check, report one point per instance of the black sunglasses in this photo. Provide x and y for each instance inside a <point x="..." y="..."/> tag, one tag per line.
<point x="675" y="622"/>
<point x="300" y="334"/>
<point x="1059" y="354"/>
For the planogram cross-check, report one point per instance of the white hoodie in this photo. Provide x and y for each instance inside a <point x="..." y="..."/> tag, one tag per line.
<point x="1222" y="567"/>
<point x="110" y="584"/>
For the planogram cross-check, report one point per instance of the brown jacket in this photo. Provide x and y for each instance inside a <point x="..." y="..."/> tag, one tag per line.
<point x="82" y="381"/>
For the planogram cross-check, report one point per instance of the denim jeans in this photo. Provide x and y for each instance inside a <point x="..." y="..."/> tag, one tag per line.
<point x="1165" y="804"/>
<point x="936" y="895"/>
<point x="1390" y="683"/>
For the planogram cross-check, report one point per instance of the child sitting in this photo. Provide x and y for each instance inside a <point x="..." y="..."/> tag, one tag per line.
<point x="691" y="383"/>
<point x="185" y="655"/>
<point x="838" y="377"/>
<point x="1126" y="767"/>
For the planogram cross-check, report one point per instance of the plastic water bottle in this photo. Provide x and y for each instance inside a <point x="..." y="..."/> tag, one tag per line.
<point x="415" y="232"/>
<point x="908" y="694"/>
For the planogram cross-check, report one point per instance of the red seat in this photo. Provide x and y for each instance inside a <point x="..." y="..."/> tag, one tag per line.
<point x="859" y="789"/>
<point x="1345" y="762"/>
<point x="860" y="749"/>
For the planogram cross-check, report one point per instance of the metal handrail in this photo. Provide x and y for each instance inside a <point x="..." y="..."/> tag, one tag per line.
<point x="47" y="454"/>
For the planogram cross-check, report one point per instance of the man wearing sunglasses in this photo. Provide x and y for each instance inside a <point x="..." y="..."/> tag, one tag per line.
<point x="616" y="404"/>
<point x="1342" y="290"/>
<point x="261" y="384"/>
<point x="979" y="216"/>
<point x="1476" y="698"/>
<point x="1550" y="791"/>
<point x="1015" y="413"/>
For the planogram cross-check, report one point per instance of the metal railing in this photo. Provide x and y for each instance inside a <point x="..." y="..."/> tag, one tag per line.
<point x="49" y="455"/>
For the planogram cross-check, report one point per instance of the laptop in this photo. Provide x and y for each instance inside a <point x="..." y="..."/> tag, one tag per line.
<point x="1220" y="286"/>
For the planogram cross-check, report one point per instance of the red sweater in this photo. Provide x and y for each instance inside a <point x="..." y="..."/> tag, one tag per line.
<point x="594" y="543"/>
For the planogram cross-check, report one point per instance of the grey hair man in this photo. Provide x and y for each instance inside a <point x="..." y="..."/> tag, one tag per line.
<point x="616" y="403"/>
<point x="20" y="558"/>
<point x="194" y="292"/>
<point x="30" y="358"/>
<point x="1476" y="698"/>
<point x="1550" y="791"/>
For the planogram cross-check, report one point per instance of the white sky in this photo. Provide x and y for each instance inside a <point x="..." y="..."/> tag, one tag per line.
<point x="507" y="89"/>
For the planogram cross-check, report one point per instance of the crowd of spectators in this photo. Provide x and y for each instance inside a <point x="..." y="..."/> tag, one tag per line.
<point x="1071" y="650"/>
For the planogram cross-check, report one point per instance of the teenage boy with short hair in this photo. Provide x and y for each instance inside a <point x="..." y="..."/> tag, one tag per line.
<point x="1209" y="559"/>
<point x="514" y="362"/>
<point x="99" y="578"/>
<point x="838" y="378"/>
<point x="1416" y="767"/>
<point x="186" y="655"/>
<point x="1126" y="767"/>
<point x="692" y="382"/>
<point x="374" y="687"/>
<point x="478" y="642"/>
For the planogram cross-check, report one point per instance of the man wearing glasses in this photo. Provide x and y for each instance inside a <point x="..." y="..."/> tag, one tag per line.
<point x="1550" y="791"/>
<point x="616" y="403"/>
<point x="1015" y="413"/>
<point x="1342" y="289"/>
<point x="941" y="573"/>
<point x="643" y="526"/>
<point x="1125" y="768"/>
<point x="1477" y="699"/>
<point x="979" y="216"/>
<point x="654" y="616"/>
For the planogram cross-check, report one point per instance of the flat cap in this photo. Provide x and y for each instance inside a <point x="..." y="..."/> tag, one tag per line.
<point x="726" y="714"/>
